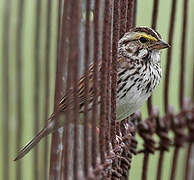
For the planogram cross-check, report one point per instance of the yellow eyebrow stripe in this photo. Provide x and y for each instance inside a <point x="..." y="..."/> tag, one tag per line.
<point x="147" y="36"/>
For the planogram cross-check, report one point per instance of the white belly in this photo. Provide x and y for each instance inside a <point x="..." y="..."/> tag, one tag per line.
<point x="130" y="103"/>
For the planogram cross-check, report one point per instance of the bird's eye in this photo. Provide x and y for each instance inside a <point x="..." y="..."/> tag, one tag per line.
<point x="143" y="39"/>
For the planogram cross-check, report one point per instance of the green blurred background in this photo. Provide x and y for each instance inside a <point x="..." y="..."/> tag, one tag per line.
<point x="144" y="14"/>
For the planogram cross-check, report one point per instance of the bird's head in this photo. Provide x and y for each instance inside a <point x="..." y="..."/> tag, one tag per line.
<point x="139" y="42"/>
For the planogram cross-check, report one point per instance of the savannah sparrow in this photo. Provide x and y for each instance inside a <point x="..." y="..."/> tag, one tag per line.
<point x="139" y="72"/>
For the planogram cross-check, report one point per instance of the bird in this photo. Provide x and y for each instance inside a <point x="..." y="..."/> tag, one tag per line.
<point x="138" y="74"/>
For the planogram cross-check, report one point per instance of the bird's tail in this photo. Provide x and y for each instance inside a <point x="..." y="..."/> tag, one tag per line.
<point x="49" y="128"/>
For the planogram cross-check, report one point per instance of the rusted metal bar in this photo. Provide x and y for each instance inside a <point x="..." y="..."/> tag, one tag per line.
<point x="118" y="24"/>
<point x="182" y="57"/>
<point x="169" y="55"/>
<point x="155" y="14"/>
<point x="117" y="166"/>
<point x="6" y="91"/>
<point x="174" y="164"/>
<point x="188" y="169"/>
<point x="66" y="133"/>
<point x="55" y="169"/>
<point x="19" y="83"/>
<point x="96" y="84"/>
<point x="146" y="130"/>
<point x="145" y="166"/>
<point x="131" y="13"/>
<point x="154" y="23"/>
<point x="109" y="58"/>
<point x="59" y="17"/>
<point x="149" y="103"/>
<point x="74" y="58"/>
<point x="47" y="81"/>
<point x="162" y="128"/>
<point x="182" y="81"/>
<point x="86" y="65"/>
<point x="134" y="13"/>
<point x="178" y="127"/>
<point x="167" y="76"/>
<point x="160" y="163"/>
<point x="103" y="84"/>
<point x="67" y="119"/>
<point x="123" y="16"/>
<point x="116" y="35"/>
<point x="36" y="83"/>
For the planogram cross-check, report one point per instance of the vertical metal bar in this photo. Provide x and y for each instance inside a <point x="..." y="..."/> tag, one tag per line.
<point x="182" y="81"/>
<point x="59" y="9"/>
<point x="36" y="83"/>
<point x="47" y="80"/>
<point x="174" y="164"/>
<point x="62" y="55"/>
<point x="123" y="13"/>
<point x="19" y="83"/>
<point x="67" y="119"/>
<point x="189" y="157"/>
<point x="74" y="59"/>
<point x="182" y="57"/>
<point x="160" y="163"/>
<point x="167" y="76"/>
<point x="5" y="75"/>
<point x="145" y="166"/>
<point x="154" y="23"/>
<point x="109" y="58"/>
<point x="130" y="14"/>
<point x="67" y="112"/>
<point x="149" y="104"/>
<point x="95" y="74"/>
<point x="134" y="13"/>
<point x="169" y="55"/>
<point x="116" y="35"/>
<point x="86" y="92"/>
<point x="155" y="14"/>
<point x="188" y="166"/>
<point x="103" y="84"/>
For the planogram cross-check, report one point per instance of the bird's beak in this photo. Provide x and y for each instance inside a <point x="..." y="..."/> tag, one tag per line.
<point x="160" y="45"/>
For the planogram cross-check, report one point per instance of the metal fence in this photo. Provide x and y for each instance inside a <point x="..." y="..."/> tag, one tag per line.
<point x="71" y="35"/>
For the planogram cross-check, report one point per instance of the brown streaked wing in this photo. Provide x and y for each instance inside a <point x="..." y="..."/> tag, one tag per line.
<point x="67" y="100"/>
